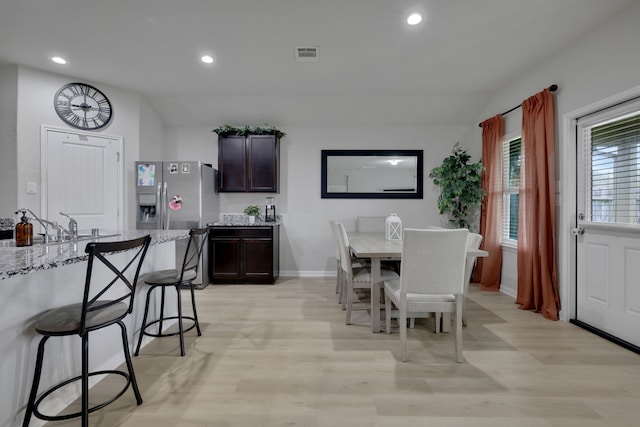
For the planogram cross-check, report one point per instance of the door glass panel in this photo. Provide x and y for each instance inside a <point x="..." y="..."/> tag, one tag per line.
<point x="614" y="173"/>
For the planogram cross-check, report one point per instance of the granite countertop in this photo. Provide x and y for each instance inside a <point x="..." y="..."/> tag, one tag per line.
<point x="23" y="260"/>
<point x="240" y="220"/>
<point x="258" y="223"/>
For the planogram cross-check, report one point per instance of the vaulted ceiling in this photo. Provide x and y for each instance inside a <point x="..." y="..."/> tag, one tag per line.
<point x="372" y="67"/>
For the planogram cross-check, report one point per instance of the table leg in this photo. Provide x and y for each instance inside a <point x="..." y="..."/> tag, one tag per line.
<point x="375" y="294"/>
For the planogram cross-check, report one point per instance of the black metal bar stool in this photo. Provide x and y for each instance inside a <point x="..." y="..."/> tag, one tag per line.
<point x="177" y="279"/>
<point x="103" y="304"/>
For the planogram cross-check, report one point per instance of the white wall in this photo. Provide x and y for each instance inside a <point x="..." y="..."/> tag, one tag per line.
<point x="606" y="61"/>
<point x="152" y="135"/>
<point x="603" y="63"/>
<point x="306" y="245"/>
<point x="132" y="120"/>
<point x="8" y="146"/>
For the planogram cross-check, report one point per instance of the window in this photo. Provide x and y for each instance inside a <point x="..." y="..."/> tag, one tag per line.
<point x="611" y="156"/>
<point x="511" y="184"/>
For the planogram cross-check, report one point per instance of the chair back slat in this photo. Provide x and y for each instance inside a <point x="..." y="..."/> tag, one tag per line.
<point x="473" y="243"/>
<point x="433" y="261"/>
<point x="343" y="245"/>
<point x="334" y="233"/>
<point x="124" y="260"/>
<point x="193" y="253"/>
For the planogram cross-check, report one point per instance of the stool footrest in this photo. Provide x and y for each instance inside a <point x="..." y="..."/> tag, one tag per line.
<point x="101" y="405"/>
<point x="169" y="334"/>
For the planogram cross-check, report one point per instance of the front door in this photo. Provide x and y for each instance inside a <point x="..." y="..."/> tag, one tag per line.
<point x="82" y="177"/>
<point x="608" y="233"/>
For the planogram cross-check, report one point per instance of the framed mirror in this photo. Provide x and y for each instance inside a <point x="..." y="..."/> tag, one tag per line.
<point x="372" y="174"/>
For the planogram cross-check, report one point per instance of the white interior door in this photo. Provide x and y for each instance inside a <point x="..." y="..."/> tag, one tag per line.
<point x="82" y="176"/>
<point x="608" y="248"/>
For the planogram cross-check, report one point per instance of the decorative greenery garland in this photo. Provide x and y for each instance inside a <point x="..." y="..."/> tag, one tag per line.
<point x="226" y="129"/>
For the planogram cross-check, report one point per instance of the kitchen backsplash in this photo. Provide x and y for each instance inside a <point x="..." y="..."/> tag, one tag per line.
<point x="6" y="228"/>
<point x="6" y="223"/>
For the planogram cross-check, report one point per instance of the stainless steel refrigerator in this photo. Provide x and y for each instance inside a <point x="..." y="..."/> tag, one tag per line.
<point x="173" y="195"/>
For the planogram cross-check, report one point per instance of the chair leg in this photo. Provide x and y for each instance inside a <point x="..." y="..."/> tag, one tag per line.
<point x="464" y="312"/>
<point x="388" y="306"/>
<point x="459" y="356"/>
<point x="36" y="382"/>
<point x="402" y="320"/>
<point x="162" y="291"/>
<point x="343" y="291"/>
<point x="446" y="322"/>
<point x="195" y="312"/>
<point x="437" y="318"/>
<point x="349" y="301"/>
<point x="180" y="329"/>
<point x="127" y="358"/>
<point x="144" y="322"/>
<point x="412" y="323"/>
<point x="85" y="380"/>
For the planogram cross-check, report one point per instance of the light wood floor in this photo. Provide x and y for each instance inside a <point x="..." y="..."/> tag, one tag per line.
<point x="282" y="356"/>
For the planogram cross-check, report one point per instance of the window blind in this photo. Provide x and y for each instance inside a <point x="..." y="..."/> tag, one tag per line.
<point x="511" y="155"/>
<point x="611" y="155"/>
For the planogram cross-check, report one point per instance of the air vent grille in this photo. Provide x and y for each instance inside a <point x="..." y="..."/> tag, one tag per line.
<point x="306" y="53"/>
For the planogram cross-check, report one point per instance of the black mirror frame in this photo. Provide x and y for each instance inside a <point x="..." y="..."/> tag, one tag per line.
<point x="420" y="174"/>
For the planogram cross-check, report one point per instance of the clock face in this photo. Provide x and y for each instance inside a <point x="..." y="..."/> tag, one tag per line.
<point x="82" y="106"/>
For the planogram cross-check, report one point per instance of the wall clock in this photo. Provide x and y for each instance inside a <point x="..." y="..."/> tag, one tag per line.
<point x="82" y="106"/>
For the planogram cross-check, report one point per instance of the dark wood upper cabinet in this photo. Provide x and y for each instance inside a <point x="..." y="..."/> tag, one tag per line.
<point x="249" y="163"/>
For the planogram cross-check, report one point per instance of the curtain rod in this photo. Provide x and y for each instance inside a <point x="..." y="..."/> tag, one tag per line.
<point x="552" y="88"/>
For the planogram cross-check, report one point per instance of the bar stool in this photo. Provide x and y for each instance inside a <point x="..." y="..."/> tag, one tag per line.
<point x="117" y="277"/>
<point x="178" y="279"/>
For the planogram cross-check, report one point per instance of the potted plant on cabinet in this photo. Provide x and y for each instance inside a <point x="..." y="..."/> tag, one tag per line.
<point x="253" y="211"/>
<point x="460" y="186"/>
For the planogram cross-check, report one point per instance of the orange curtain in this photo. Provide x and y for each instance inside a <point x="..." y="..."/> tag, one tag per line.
<point x="488" y="269"/>
<point x="537" y="287"/>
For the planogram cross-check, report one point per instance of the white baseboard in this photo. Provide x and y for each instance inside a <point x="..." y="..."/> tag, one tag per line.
<point x="308" y="273"/>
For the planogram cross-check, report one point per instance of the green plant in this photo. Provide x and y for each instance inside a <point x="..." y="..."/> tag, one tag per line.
<point x="226" y="129"/>
<point x="252" y="210"/>
<point x="461" y="186"/>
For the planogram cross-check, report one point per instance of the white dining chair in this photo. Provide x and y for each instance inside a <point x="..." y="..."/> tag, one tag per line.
<point x="332" y="226"/>
<point x="355" y="278"/>
<point x="473" y="244"/>
<point x="431" y="280"/>
<point x="355" y="264"/>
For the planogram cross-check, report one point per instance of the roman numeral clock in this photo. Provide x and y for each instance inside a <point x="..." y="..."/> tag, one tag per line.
<point x="82" y="106"/>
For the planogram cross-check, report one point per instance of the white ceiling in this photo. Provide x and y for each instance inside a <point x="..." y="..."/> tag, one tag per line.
<point x="372" y="66"/>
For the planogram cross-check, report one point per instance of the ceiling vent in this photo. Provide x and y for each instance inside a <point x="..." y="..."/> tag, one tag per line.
<point x="306" y="53"/>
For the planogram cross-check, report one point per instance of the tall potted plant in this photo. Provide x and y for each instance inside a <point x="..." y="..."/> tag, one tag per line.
<point x="460" y="186"/>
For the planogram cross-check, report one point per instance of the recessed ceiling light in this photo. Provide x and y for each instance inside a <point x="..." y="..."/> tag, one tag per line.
<point x="59" y="60"/>
<point x="207" y="59"/>
<point x="414" y="19"/>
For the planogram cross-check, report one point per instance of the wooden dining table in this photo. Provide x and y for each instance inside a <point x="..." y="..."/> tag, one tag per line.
<point x="374" y="246"/>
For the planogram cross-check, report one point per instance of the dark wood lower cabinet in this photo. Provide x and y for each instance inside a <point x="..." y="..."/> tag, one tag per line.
<point x="244" y="254"/>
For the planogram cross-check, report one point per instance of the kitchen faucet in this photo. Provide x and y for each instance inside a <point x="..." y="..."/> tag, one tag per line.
<point x="44" y="223"/>
<point x="73" y="226"/>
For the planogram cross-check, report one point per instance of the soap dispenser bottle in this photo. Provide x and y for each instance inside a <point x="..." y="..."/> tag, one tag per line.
<point x="24" y="231"/>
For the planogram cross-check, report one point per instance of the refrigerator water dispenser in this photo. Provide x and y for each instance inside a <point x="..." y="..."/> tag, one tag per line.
<point x="147" y="208"/>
